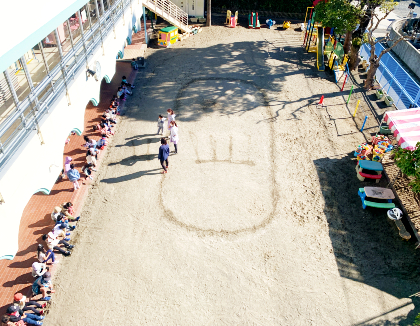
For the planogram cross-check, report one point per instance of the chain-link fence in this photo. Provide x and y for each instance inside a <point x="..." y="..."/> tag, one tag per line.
<point x="394" y="79"/>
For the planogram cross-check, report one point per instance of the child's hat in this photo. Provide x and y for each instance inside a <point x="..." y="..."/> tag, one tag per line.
<point x="18" y="297"/>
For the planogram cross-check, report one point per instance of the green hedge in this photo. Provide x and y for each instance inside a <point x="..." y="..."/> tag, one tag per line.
<point x="293" y="6"/>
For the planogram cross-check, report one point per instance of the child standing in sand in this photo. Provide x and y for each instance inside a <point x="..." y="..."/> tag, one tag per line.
<point x="174" y="135"/>
<point x="171" y="117"/>
<point x="160" y="123"/>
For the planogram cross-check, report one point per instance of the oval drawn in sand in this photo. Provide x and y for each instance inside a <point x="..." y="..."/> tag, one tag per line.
<point x="222" y="180"/>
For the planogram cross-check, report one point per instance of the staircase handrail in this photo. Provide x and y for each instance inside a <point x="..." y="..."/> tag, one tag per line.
<point x="172" y="10"/>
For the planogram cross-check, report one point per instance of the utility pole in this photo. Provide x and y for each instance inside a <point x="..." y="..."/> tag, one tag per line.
<point x="208" y="13"/>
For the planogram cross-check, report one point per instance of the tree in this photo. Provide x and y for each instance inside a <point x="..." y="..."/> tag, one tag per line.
<point x="374" y="60"/>
<point x="340" y="14"/>
<point x="409" y="163"/>
<point x="368" y="8"/>
<point x="208" y="13"/>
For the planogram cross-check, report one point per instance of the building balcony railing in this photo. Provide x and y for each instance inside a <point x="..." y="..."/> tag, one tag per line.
<point x="72" y="64"/>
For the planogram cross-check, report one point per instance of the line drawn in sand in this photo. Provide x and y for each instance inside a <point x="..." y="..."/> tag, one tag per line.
<point x="249" y="168"/>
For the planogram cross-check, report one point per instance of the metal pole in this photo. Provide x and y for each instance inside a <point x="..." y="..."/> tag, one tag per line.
<point x="87" y="9"/>
<point x="45" y="63"/>
<point x="11" y="87"/>
<point x="113" y="22"/>
<point x="27" y="74"/>
<point x="145" y="27"/>
<point x="71" y="36"/>
<point x="122" y="6"/>
<point x="14" y="95"/>
<point x="63" y="70"/>
<point x="44" y="58"/>
<point x="71" y="41"/>
<point x="100" y="26"/>
<point x="83" y="37"/>
<point x="31" y="85"/>
<point x="103" y="7"/>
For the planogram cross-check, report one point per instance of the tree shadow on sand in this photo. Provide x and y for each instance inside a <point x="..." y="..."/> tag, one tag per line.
<point x="366" y="243"/>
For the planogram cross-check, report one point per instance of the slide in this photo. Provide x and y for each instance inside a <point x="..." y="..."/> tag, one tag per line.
<point x="320" y="50"/>
<point x="232" y="21"/>
<point x="253" y="21"/>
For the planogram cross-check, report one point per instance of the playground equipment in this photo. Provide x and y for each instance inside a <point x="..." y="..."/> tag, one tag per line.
<point x="396" y="215"/>
<point x="337" y="60"/>
<point x="314" y="40"/>
<point x="231" y="19"/>
<point x="270" y="23"/>
<point x="168" y="36"/>
<point x="253" y="21"/>
<point x="376" y="193"/>
<point x="374" y="168"/>
<point x="228" y="15"/>
<point x="286" y="25"/>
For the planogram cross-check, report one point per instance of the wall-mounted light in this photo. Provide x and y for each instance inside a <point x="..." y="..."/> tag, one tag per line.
<point x="90" y="73"/>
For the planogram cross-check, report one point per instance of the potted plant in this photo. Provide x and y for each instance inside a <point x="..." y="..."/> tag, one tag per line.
<point x="384" y="130"/>
<point x="388" y="100"/>
<point x="379" y="93"/>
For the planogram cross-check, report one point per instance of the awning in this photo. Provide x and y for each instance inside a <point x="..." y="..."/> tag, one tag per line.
<point x="405" y="125"/>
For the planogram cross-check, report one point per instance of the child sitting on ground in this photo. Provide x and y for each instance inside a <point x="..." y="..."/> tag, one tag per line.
<point x="90" y="158"/>
<point x="102" y="142"/>
<point x="87" y="170"/>
<point x="134" y="64"/>
<point x="21" y="301"/>
<point x="126" y="83"/>
<point x="125" y="89"/>
<point x="121" y="94"/>
<point x="105" y="130"/>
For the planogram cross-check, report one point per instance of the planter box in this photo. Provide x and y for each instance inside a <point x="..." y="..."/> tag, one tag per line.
<point x="384" y="130"/>
<point x="379" y="93"/>
<point x="388" y="100"/>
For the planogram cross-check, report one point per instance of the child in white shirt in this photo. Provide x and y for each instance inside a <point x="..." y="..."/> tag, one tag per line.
<point x="160" y="124"/>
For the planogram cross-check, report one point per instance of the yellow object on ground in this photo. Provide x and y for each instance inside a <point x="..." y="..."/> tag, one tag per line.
<point x="168" y="36"/>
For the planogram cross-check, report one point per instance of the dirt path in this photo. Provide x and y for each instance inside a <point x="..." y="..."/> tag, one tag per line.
<point x="258" y="220"/>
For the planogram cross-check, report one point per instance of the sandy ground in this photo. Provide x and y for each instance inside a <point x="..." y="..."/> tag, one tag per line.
<point x="258" y="220"/>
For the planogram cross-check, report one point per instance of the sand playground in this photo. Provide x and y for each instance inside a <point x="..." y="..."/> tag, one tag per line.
<point x="257" y="222"/>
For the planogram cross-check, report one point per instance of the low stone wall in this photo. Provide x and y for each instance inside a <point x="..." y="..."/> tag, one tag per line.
<point x="405" y="50"/>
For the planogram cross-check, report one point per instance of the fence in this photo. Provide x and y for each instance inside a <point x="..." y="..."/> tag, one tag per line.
<point x="393" y="78"/>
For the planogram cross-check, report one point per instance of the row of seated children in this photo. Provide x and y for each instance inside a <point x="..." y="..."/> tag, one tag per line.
<point x="58" y="239"/>
<point x="28" y="311"/>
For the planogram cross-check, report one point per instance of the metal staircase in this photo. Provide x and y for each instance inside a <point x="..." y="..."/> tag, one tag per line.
<point x="170" y="12"/>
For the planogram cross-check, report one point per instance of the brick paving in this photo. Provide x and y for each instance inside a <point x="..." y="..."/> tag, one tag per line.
<point x="15" y="275"/>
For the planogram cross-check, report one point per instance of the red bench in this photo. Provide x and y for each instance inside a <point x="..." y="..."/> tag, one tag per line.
<point x="370" y="176"/>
